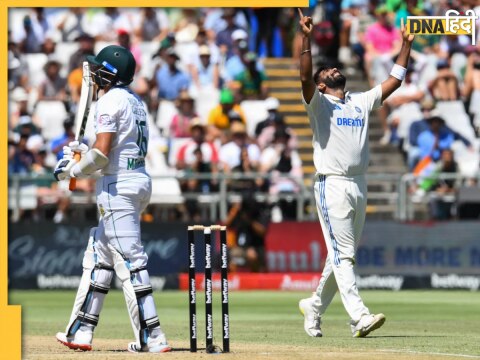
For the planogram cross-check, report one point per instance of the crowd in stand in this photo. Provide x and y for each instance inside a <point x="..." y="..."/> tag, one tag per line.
<point x="202" y="76"/>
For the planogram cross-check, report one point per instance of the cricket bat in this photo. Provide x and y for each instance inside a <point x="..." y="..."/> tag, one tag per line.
<point x="86" y="95"/>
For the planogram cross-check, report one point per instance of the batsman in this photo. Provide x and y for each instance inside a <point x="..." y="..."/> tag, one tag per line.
<point x="123" y="191"/>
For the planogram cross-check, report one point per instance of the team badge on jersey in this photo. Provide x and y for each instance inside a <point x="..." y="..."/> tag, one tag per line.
<point x="358" y="109"/>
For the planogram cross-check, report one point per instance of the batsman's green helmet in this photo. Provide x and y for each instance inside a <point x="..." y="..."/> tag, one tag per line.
<point x="116" y="60"/>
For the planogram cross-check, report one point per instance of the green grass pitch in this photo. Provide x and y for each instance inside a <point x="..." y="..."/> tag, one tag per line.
<point x="418" y="322"/>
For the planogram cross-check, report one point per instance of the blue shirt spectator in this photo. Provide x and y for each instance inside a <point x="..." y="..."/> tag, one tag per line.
<point x="170" y="80"/>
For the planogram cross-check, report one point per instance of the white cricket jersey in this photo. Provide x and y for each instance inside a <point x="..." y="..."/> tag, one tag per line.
<point x="340" y="131"/>
<point x="122" y="112"/>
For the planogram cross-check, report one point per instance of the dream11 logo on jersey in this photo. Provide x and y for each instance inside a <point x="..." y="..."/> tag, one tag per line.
<point x="453" y="23"/>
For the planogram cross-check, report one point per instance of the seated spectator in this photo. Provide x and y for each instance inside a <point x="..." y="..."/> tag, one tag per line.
<point x="240" y="155"/>
<point x="86" y="47"/>
<point x="251" y="82"/>
<point x="436" y="138"/>
<point x="278" y="159"/>
<point x="19" y="97"/>
<point x="218" y="119"/>
<point x="197" y="156"/>
<point x="17" y="69"/>
<point x="54" y="85"/>
<point x="152" y="24"/>
<point x="204" y="72"/>
<point x="224" y="37"/>
<point x="404" y="108"/>
<point x="444" y="87"/>
<point x="20" y="158"/>
<point x="471" y="89"/>
<point x="265" y="129"/>
<point x="68" y="136"/>
<point x="440" y="207"/>
<point x="238" y="62"/>
<point x="247" y="223"/>
<point x="181" y="122"/>
<point x="419" y="127"/>
<point x="170" y="80"/>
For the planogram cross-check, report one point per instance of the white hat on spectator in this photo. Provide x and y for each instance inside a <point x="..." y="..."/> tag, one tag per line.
<point x="239" y="34"/>
<point x="13" y="62"/>
<point x="19" y="94"/>
<point x="25" y="120"/>
<point x="204" y="50"/>
<point x="271" y="103"/>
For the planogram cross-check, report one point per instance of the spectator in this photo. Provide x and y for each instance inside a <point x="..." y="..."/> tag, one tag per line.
<point x="197" y="156"/>
<point x="240" y="155"/>
<point x="267" y="18"/>
<point x="442" y="190"/>
<point x="181" y="123"/>
<point x="238" y="62"/>
<point x="20" y="159"/>
<point x="19" y="97"/>
<point x="30" y="35"/>
<point x="444" y="87"/>
<point x="224" y="37"/>
<point x="70" y="24"/>
<point x="124" y="39"/>
<point x="265" y="129"/>
<point x="251" y="81"/>
<point x="419" y="127"/>
<point x="17" y="69"/>
<point x="86" y="47"/>
<point x="278" y="160"/>
<point x="192" y="57"/>
<point x="169" y="79"/>
<point x="435" y="139"/>
<point x="103" y="24"/>
<point x="152" y="24"/>
<point x="204" y="72"/>
<point x="53" y="88"/>
<point x="68" y="136"/>
<point x="248" y="221"/>
<point x="218" y="119"/>
<point x="382" y="43"/>
<point x="404" y="108"/>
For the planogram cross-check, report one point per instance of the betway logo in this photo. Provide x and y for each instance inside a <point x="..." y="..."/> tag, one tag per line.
<point x="380" y="282"/>
<point x="209" y="292"/>
<point x="208" y="256"/>
<point x="194" y="326"/>
<point x="455" y="281"/>
<point x="304" y="285"/>
<point x="225" y="291"/>
<point x="296" y="261"/>
<point x="193" y="293"/>
<point x="192" y="256"/>
<point x="224" y="256"/>
<point x="209" y="327"/>
<point x="226" y="327"/>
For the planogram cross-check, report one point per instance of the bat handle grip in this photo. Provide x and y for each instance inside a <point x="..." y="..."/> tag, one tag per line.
<point x="73" y="182"/>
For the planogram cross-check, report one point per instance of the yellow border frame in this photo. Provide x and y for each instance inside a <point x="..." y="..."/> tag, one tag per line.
<point x="10" y="315"/>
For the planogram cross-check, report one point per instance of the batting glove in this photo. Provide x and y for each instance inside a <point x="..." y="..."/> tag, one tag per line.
<point x="78" y="147"/>
<point x="64" y="166"/>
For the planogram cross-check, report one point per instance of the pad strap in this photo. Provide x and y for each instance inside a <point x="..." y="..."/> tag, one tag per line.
<point x="142" y="290"/>
<point x="88" y="318"/>
<point x="150" y="324"/>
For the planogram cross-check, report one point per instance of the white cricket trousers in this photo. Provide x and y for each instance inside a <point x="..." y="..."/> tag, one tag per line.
<point x="341" y="205"/>
<point x="121" y="199"/>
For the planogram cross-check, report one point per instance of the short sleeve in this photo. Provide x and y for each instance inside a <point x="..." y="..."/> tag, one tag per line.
<point x="372" y="99"/>
<point x="107" y="115"/>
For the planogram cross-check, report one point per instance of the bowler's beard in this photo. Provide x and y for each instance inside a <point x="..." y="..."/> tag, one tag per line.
<point x="335" y="82"/>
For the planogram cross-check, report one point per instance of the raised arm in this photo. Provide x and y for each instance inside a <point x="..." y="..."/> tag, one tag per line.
<point x="399" y="69"/>
<point x="306" y="76"/>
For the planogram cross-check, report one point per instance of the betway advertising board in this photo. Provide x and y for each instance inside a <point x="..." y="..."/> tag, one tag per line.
<point x="390" y="256"/>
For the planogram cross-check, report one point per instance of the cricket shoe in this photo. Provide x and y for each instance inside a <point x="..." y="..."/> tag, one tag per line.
<point x="367" y="324"/>
<point x="154" y="345"/>
<point x="311" y="317"/>
<point x="81" y="340"/>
